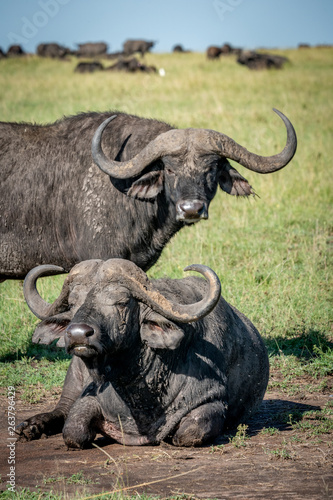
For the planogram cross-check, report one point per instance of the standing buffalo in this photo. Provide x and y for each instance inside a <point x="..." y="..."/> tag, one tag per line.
<point x="132" y="46"/>
<point x="165" y="360"/>
<point x="15" y="51"/>
<point x="62" y="203"/>
<point x="213" y="52"/>
<point x="53" y="50"/>
<point x="92" y="49"/>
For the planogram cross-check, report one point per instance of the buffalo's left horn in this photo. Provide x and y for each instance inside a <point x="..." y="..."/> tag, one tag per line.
<point x="136" y="280"/>
<point x="228" y="148"/>
<point x="38" y="306"/>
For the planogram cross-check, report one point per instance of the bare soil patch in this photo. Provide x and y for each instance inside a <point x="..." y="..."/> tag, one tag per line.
<point x="284" y="463"/>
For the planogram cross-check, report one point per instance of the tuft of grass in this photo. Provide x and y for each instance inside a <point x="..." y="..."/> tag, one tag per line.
<point x="281" y="453"/>
<point x="241" y="437"/>
<point x="34" y="379"/>
<point x="316" y="422"/>
<point x="269" y="431"/>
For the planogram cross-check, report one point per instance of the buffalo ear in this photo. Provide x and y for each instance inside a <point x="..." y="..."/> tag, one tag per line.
<point x="233" y="183"/>
<point x="51" y="329"/>
<point x="160" y="333"/>
<point x="147" y="186"/>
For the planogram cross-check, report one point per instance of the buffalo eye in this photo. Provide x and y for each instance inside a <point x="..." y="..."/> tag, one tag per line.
<point x="152" y="325"/>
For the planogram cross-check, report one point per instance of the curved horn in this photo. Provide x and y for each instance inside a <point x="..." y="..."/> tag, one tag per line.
<point x="38" y="306"/>
<point x="136" y="280"/>
<point x="228" y="148"/>
<point x="175" y="141"/>
<point x="161" y="145"/>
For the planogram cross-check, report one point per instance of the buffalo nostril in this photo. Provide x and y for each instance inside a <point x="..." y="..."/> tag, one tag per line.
<point x="195" y="208"/>
<point x="79" y="330"/>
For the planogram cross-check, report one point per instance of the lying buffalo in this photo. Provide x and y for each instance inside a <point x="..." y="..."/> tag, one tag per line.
<point x="88" y="67"/>
<point x="131" y="66"/>
<point x="62" y="203"/>
<point x="163" y="360"/>
<point x="258" y="60"/>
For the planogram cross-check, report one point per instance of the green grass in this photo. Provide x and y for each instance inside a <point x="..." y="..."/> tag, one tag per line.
<point x="273" y="253"/>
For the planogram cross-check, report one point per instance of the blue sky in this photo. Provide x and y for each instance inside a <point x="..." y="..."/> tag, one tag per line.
<point x="193" y="23"/>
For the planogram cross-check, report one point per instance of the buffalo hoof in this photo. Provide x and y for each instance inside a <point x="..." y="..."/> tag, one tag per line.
<point x="39" y="425"/>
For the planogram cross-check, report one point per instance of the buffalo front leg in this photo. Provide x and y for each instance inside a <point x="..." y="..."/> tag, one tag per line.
<point x="52" y="422"/>
<point x="82" y="423"/>
<point x="201" y="425"/>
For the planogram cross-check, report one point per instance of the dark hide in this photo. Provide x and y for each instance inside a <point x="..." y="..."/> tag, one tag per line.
<point x="140" y="378"/>
<point x="213" y="52"/>
<point x="180" y="48"/>
<point x="256" y="60"/>
<point x="15" y="51"/>
<point x="132" y="46"/>
<point x="131" y="66"/>
<point x="88" y="67"/>
<point x="92" y="49"/>
<point x="53" y="50"/>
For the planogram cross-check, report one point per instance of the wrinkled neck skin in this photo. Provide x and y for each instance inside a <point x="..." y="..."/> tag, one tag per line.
<point x="108" y="368"/>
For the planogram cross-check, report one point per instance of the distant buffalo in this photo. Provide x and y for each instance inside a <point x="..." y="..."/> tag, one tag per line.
<point x="114" y="55"/>
<point x="228" y="49"/>
<point x="131" y="66"/>
<point x="2" y="54"/>
<point x="180" y="48"/>
<point x="89" y="67"/>
<point x="92" y="49"/>
<point x="256" y="60"/>
<point x="15" y="50"/>
<point x="133" y="46"/>
<point x="53" y="50"/>
<point x="213" y="52"/>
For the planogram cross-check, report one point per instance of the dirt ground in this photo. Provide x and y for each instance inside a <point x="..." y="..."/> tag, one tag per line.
<point x="286" y="464"/>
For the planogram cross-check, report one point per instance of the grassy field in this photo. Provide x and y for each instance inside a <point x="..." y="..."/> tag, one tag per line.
<point x="272" y="253"/>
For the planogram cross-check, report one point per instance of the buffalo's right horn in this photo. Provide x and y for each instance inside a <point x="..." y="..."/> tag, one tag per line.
<point x="38" y="306"/>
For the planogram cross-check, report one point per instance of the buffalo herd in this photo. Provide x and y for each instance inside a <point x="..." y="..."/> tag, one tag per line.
<point x="98" y="196"/>
<point x="126" y="62"/>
